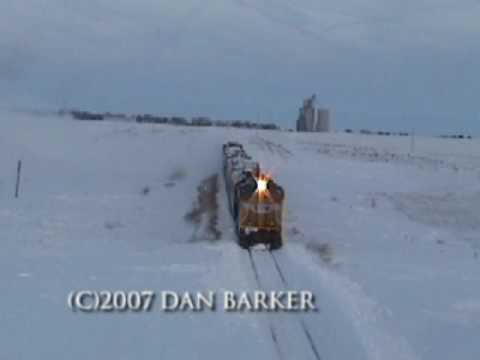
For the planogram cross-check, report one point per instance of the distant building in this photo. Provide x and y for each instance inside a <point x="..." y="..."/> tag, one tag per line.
<point x="313" y="119"/>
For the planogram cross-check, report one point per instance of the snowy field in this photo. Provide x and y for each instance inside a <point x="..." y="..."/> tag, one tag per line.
<point x="387" y="239"/>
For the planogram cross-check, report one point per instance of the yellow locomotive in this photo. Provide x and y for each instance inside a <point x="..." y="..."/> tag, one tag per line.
<point x="256" y="201"/>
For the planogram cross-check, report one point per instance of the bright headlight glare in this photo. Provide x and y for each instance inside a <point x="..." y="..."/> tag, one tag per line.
<point x="261" y="185"/>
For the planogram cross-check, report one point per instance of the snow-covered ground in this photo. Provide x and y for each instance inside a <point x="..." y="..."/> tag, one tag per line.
<point x="388" y="240"/>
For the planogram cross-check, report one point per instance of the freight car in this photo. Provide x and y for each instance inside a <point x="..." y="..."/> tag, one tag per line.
<point x="256" y="201"/>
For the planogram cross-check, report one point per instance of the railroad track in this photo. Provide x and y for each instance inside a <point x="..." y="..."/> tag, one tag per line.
<point x="289" y="332"/>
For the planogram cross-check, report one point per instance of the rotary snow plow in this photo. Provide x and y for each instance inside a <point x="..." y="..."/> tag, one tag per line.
<point x="256" y="201"/>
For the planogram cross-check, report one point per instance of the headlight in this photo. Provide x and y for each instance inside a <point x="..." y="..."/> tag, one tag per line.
<point x="261" y="185"/>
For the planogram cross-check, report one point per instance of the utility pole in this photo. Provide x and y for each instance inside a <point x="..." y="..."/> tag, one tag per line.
<point x="19" y="170"/>
<point x="412" y="142"/>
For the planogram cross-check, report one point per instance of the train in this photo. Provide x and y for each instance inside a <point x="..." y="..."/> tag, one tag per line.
<point x="256" y="201"/>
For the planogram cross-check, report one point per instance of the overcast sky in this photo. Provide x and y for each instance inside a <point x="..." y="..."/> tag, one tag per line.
<point x="379" y="64"/>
